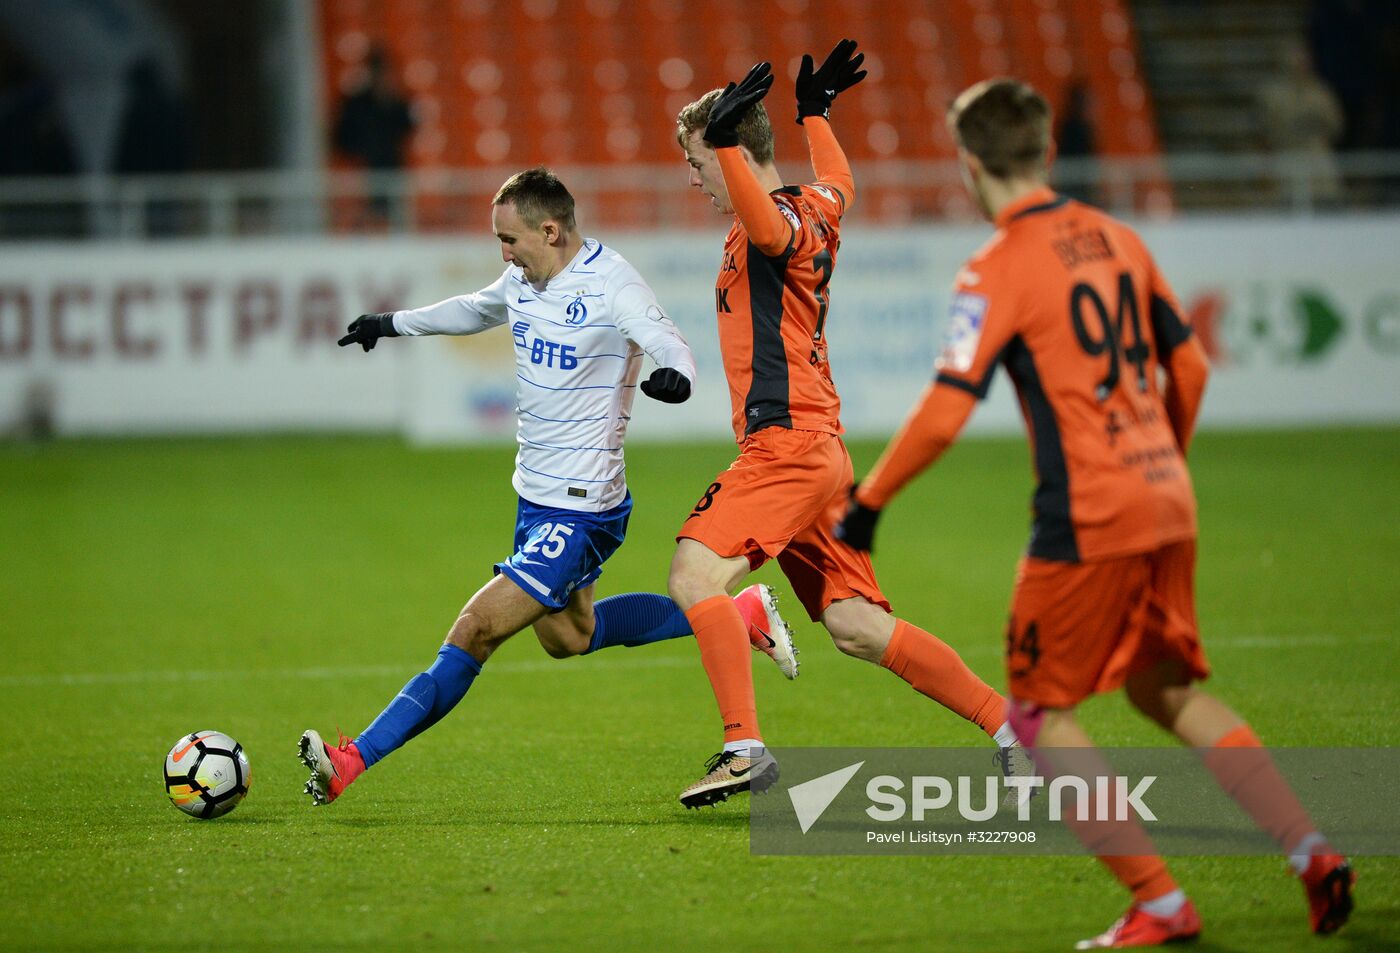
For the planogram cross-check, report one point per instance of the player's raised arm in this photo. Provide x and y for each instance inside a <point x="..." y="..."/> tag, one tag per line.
<point x="816" y="89"/>
<point x="642" y="321"/>
<point x="770" y="232"/>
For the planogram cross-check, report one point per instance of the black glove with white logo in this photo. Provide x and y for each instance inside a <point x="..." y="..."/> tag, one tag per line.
<point x="734" y="104"/>
<point x="667" y="385"/>
<point x="857" y="528"/>
<point x="817" y="88"/>
<point x="367" y="329"/>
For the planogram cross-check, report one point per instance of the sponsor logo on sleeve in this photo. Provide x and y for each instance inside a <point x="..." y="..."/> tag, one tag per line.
<point x="790" y="215"/>
<point x="968" y="315"/>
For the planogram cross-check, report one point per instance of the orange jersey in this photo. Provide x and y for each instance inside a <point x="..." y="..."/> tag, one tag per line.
<point x="1071" y="302"/>
<point x="771" y="296"/>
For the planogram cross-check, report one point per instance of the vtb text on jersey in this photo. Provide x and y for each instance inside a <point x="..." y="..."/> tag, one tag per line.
<point x="578" y="352"/>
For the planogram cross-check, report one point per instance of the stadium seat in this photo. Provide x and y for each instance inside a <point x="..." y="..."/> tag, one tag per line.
<point x="597" y="83"/>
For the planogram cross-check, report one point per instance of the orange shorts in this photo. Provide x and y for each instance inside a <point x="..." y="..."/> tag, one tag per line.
<point x="1077" y="629"/>
<point x="780" y="500"/>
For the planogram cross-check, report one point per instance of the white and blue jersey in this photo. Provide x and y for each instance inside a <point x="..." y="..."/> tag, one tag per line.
<point x="578" y="352"/>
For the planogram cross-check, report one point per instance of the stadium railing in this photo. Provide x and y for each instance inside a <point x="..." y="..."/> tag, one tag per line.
<point x="645" y="197"/>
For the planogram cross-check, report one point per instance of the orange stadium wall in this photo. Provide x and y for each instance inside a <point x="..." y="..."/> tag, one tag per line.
<point x="1302" y="321"/>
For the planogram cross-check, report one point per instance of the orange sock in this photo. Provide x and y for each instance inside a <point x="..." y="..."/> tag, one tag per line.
<point x="1146" y="876"/>
<point x="1124" y="848"/>
<point x="935" y="670"/>
<point x="724" y="651"/>
<point x="1245" y="771"/>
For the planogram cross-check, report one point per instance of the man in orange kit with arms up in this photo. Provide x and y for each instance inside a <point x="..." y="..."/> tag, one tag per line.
<point x="791" y="481"/>
<point x="1072" y="303"/>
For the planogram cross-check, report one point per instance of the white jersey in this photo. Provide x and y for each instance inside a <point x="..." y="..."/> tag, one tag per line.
<point x="578" y="352"/>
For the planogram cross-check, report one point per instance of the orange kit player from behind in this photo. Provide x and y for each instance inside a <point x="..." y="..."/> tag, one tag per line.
<point x="792" y="478"/>
<point x="1071" y="302"/>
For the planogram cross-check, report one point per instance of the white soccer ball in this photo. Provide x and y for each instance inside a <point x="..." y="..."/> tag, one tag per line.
<point x="206" y="774"/>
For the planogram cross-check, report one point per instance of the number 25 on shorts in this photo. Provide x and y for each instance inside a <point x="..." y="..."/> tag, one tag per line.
<point x="549" y="540"/>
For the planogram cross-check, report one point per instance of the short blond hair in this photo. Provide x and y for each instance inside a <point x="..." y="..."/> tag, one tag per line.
<point x="755" y="130"/>
<point x="1005" y="124"/>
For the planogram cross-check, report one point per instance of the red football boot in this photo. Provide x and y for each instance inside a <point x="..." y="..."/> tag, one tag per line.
<point x="332" y="769"/>
<point x="1328" y="882"/>
<point x="1137" y="927"/>
<point x="768" y="633"/>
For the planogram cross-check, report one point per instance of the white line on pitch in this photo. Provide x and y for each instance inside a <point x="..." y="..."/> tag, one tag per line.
<point x="552" y="665"/>
<point x="323" y="673"/>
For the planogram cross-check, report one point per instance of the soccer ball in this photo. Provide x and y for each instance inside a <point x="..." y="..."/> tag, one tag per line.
<point x="206" y="774"/>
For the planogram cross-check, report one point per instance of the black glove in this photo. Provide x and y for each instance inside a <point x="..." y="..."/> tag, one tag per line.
<point x="367" y="329"/>
<point x="857" y="529"/>
<point x="667" y="385"/>
<point x="734" y="104"/>
<point x="817" y="89"/>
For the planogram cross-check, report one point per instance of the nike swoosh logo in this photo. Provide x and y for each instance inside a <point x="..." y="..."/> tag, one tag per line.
<point x="769" y="639"/>
<point x="523" y="300"/>
<point x="740" y="774"/>
<point x="180" y="755"/>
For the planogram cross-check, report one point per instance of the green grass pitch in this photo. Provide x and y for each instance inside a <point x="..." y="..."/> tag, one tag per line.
<point x="263" y="586"/>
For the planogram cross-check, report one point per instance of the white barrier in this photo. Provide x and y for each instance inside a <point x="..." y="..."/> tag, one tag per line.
<point x="1302" y="318"/>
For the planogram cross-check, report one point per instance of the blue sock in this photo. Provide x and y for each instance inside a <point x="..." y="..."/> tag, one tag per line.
<point x="637" y="618"/>
<point x="419" y="704"/>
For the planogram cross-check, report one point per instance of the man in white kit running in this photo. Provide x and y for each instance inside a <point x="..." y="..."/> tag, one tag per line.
<point x="581" y="318"/>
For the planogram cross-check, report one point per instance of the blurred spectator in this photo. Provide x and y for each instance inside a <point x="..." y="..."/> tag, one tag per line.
<point x="155" y="129"/>
<point x="1343" y="35"/>
<point x="1076" y="141"/>
<point x="32" y="132"/>
<point x="1388" y="84"/>
<point x="155" y="138"/>
<point x="1302" y="118"/>
<point x="374" y="125"/>
<point x="33" y="141"/>
<point x="31" y="127"/>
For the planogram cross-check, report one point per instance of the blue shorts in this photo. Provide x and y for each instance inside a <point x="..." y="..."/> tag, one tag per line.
<point x="558" y="551"/>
